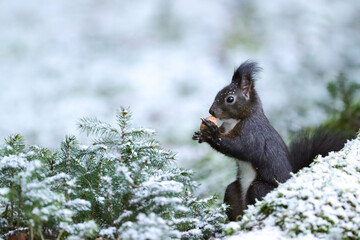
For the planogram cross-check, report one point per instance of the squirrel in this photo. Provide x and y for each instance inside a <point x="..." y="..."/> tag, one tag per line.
<point x="262" y="157"/>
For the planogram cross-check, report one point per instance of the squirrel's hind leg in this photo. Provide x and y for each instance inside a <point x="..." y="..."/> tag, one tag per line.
<point x="234" y="200"/>
<point x="257" y="190"/>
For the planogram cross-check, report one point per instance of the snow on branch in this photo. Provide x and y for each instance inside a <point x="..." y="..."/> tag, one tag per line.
<point x="121" y="186"/>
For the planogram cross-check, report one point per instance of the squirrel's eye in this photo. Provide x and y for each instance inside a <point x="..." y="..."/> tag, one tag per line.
<point x="230" y="99"/>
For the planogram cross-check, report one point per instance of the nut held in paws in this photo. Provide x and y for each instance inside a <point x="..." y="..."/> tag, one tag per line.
<point x="210" y="118"/>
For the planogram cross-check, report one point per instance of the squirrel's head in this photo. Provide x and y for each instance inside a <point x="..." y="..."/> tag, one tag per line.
<point x="238" y="99"/>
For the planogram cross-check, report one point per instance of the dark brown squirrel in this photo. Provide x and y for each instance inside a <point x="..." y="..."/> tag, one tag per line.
<point x="263" y="159"/>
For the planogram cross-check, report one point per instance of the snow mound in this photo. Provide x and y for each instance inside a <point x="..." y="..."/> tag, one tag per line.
<point x="322" y="201"/>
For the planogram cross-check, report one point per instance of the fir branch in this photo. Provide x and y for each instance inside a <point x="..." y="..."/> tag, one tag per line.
<point x="123" y="117"/>
<point x="96" y="127"/>
<point x="14" y="144"/>
<point x="123" y="176"/>
<point x="109" y="141"/>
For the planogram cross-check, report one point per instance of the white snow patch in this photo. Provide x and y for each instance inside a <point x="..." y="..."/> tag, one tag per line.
<point x="4" y="191"/>
<point x="13" y="161"/>
<point x="79" y="204"/>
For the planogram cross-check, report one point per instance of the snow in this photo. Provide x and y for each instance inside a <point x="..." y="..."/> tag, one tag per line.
<point x="79" y="204"/>
<point x="109" y="232"/>
<point x="162" y="201"/>
<point x="321" y="201"/>
<point x="80" y="231"/>
<point x="126" y="173"/>
<point x="83" y="147"/>
<point x="4" y="191"/>
<point x="12" y="162"/>
<point x="142" y="129"/>
<point x="100" y="200"/>
<point x="268" y="233"/>
<point x="125" y="214"/>
<point x="155" y="187"/>
<point x="148" y="227"/>
<point x="57" y="177"/>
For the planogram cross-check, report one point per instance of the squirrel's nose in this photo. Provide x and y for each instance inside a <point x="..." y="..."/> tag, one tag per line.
<point x="212" y="112"/>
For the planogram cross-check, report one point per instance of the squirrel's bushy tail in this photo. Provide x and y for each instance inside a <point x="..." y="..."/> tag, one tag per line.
<point x="308" y="144"/>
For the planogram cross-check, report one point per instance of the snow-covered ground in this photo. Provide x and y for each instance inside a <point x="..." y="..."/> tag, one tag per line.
<point x="320" y="202"/>
<point x="63" y="60"/>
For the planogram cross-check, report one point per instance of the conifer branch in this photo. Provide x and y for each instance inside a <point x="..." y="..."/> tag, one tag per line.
<point x="122" y="181"/>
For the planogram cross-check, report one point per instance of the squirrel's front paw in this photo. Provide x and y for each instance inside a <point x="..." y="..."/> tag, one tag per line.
<point x="210" y="131"/>
<point x="197" y="136"/>
<point x="210" y="127"/>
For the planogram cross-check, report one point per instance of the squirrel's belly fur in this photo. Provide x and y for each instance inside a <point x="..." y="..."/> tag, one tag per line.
<point x="229" y="124"/>
<point x="246" y="174"/>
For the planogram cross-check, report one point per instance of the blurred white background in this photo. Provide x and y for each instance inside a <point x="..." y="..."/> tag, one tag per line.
<point x="63" y="60"/>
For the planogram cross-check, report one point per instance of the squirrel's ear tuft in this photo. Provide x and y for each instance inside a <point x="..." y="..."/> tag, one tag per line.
<point x="245" y="75"/>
